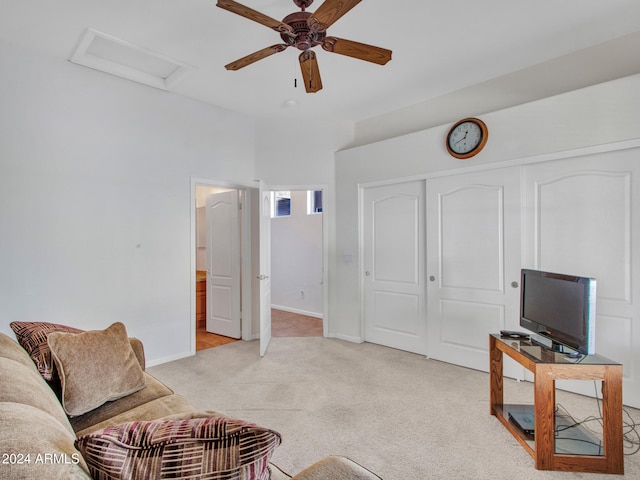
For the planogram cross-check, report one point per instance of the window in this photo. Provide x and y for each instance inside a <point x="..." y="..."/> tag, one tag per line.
<point x="314" y="201"/>
<point x="280" y="204"/>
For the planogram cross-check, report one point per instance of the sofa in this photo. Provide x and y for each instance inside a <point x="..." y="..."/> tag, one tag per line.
<point x="79" y="404"/>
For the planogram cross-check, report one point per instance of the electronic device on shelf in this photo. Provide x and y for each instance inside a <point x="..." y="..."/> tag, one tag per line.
<point x="560" y="309"/>
<point x="524" y="420"/>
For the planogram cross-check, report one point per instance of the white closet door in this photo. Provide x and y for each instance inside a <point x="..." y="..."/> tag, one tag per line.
<point x="473" y="252"/>
<point x="393" y="265"/>
<point x="581" y="216"/>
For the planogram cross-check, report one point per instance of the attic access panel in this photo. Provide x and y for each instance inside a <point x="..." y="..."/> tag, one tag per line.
<point x="109" y="54"/>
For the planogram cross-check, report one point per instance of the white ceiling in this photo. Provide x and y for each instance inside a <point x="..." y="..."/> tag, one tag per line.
<point x="438" y="46"/>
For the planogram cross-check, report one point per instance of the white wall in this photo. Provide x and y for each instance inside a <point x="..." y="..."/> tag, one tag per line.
<point x="95" y="197"/>
<point x="597" y="64"/>
<point x="294" y="152"/>
<point x="302" y="154"/>
<point x="597" y="115"/>
<point x="296" y="259"/>
<point x="95" y="177"/>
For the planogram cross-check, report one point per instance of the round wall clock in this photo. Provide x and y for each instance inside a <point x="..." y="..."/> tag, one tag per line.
<point x="467" y="138"/>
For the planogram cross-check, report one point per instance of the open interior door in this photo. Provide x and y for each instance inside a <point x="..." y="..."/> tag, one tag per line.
<point x="265" y="267"/>
<point x="223" y="264"/>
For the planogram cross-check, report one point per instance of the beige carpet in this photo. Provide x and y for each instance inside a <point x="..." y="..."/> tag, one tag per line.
<point x="399" y="414"/>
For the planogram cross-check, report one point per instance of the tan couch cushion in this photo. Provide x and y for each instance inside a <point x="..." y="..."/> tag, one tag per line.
<point x="336" y="467"/>
<point x="11" y="350"/>
<point x="22" y="384"/>
<point x="212" y="447"/>
<point x="154" y="389"/>
<point x="95" y="367"/>
<point x="41" y="447"/>
<point x="155" y="409"/>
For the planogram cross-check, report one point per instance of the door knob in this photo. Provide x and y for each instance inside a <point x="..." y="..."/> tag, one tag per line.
<point x="432" y="278"/>
<point x="514" y="284"/>
<point x="262" y="277"/>
<point x="367" y="273"/>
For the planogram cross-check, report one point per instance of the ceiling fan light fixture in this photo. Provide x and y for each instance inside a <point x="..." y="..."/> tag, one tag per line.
<point x="301" y="35"/>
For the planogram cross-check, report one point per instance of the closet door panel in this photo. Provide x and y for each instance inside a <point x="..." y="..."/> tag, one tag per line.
<point x="587" y="215"/>
<point x="393" y="290"/>
<point x="473" y="258"/>
<point x="579" y="217"/>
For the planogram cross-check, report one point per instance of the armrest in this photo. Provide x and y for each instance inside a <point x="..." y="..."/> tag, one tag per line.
<point x="335" y="467"/>
<point x="138" y="349"/>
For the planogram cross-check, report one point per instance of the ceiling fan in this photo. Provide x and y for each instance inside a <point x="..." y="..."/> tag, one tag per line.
<point x="305" y="30"/>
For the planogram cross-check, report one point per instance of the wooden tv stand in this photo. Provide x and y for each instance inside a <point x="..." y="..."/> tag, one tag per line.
<point x="548" y="366"/>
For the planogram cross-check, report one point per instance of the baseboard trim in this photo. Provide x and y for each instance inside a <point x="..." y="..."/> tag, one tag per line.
<point x="171" y="358"/>
<point x="298" y="311"/>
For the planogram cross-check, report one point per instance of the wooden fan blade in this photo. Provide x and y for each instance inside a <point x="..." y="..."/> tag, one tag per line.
<point x="254" y="15"/>
<point x="310" y="71"/>
<point x="330" y="12"/>
<point x="255" y="56"/>
<point x="362" y="51"/>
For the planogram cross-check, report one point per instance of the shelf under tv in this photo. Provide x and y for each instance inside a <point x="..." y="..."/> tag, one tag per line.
<point x="570" y="437"/>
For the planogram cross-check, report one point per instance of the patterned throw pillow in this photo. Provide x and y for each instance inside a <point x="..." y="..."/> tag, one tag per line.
<point x="212" y="448"/>
<point x="33" y="338"/>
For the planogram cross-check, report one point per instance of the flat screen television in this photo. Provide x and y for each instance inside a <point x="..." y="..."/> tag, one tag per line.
<point x="559" y="307"/>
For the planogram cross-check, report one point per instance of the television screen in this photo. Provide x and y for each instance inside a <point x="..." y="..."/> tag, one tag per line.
<point x="560" y="307"/>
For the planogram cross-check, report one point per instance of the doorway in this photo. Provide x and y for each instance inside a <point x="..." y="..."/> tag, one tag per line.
<point x="294" y="321"/>
<point x="297" y="262"/>
<point x="208" y="277"/>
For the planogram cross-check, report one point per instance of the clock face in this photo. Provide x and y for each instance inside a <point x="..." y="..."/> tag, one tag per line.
<point x="465" y="137"/>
